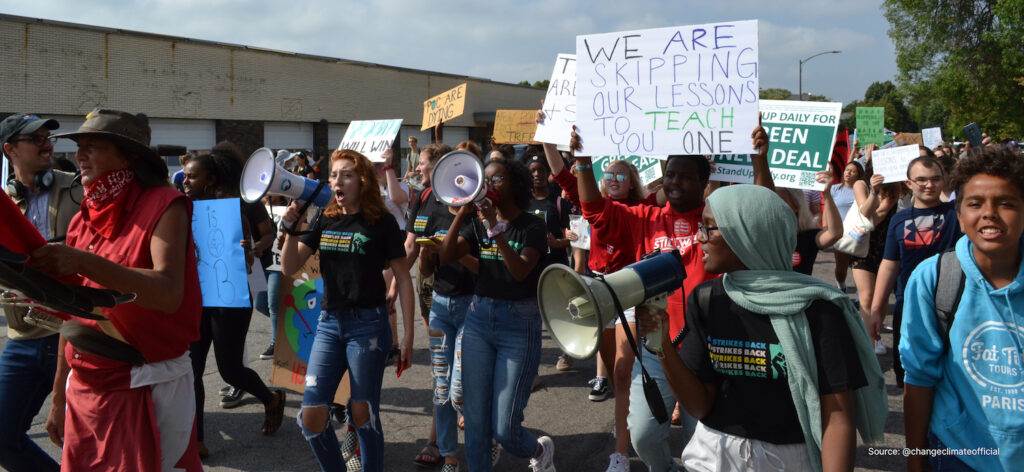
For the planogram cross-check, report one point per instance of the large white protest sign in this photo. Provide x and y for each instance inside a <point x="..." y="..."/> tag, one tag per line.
<point x="801" y="136"/>
<point x="581" y="227"/>
<point x="892" y="163"/>
<point x="931" y="137"/>
<point x="679" y="90"/>
<point x="371" y="138"/>
<point x="559" y="103"/>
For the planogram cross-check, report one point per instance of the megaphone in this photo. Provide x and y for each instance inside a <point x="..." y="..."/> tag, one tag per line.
<point x="576" y="308"/>
<point x="263" y="176"/>
<point x="458" y="179"/>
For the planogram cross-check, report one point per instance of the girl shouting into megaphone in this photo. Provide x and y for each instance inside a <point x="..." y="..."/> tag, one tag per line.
<point x="502" y="332"/>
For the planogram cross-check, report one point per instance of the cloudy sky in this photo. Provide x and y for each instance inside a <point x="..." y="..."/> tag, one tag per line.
<point x="508" y="40"/>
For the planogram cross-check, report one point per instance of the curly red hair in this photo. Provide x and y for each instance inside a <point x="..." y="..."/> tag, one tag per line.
<point x="371" y="204"/>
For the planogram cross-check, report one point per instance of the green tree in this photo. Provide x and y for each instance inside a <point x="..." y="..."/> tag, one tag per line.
<point x="964" y="59"/>
<point x="775" y="94"/>
<point x="538" y="84"/>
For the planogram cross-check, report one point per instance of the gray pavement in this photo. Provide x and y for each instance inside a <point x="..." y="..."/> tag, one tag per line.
<point x="581" y="429"/>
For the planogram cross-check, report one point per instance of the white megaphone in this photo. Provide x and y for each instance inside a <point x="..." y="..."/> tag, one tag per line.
<point x="458" y="179"/>
<point x="263" y="176"/>
<point x="577" y="308"/>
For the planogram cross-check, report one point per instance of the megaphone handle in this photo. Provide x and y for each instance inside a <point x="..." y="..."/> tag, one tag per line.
<point x="651" y="391"/>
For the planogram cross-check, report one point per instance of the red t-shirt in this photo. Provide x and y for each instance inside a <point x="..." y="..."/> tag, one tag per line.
<point x="605" y="257"/>
<point x="646" y="228"/>
<point x="158" y="336"/>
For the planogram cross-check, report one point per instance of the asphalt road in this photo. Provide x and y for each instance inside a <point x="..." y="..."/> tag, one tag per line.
<point x="581" y="429"/>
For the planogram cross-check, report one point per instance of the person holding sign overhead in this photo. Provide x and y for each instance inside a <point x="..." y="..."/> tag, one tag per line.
<point x="225" y="328"/>
<point x="132" y="236"/>
<point x="357" y="238"/>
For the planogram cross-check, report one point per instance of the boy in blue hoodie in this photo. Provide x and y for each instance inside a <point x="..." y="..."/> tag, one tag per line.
<point x="970" y="395"/>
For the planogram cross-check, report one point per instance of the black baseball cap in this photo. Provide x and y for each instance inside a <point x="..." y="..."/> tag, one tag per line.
<point x="23" y="123"/>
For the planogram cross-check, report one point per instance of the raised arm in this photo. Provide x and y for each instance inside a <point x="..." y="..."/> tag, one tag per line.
<point x="759" y="160"/>
<point x="395" y="192"/>
<point x="294" y="253"/>
<point x="831" y="219"/>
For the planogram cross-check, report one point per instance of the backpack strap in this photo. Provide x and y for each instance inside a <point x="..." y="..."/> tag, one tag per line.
<point x="949" y="288"/>
<point x="702" y="296"/>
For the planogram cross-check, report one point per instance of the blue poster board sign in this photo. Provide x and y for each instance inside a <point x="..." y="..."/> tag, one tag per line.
<point x="220" y="259"/>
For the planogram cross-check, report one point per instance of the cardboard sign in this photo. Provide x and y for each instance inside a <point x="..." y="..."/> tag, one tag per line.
<point x="559" y="103"/>
<point x="581" y="227"/>
<point x="371" y="138"/>
<point x="906" y="139"/>
<point x="649" y="167"/>
<point x="892" y="163"/>
<point x="801" y="135"/>
<point x="871" y="125"/>
<point x="932" y="137"/>
<point x="678" y="90"/>
<point x="515" y="126"/>
<point x="444" y="107"/>
<point x="220" y="258"/>
<point x="298" y="315"/>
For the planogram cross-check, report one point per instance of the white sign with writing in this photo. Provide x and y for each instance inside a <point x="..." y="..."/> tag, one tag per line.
<point x="678" y="90"/>
<point x="931" y="136"/>
<point x="371" y="138"/>
<point x="892" y="163"/>
<point x="559" y="103"/>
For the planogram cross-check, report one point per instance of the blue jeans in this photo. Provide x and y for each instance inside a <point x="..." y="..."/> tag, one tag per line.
<point x="649" y="438"/>
<point x="944" y="463"/>
<point x="27" y="369"/>
<point x="268" y="302"/>
<point x="356" y="340"/>
<point x="500" y="357"/>
<point x="447" y="315"/>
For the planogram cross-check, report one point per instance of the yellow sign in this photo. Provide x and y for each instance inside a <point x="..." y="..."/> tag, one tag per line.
<point x="515" y="126"/>
<point x="444" y="107"/>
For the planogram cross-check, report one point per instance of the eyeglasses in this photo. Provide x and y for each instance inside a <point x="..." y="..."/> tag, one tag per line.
<point x="703" y="231"/>
<point x="496" y="179"/>
<point x="36" y="139"/>
<point x="922" y="181"/>
<point x="620" y="176"/>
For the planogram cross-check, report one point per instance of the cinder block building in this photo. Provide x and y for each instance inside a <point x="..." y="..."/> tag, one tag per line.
<point x="197" y="92"/>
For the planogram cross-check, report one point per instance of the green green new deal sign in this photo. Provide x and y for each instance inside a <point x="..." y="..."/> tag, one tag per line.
<point x="801" y="136"/>
<point x="649" y="167"/>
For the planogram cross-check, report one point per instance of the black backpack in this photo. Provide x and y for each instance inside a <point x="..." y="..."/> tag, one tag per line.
<point x="949" y="287"/>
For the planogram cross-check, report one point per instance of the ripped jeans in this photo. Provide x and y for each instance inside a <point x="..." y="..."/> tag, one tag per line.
<point x="356" y="340"/>
<point x="447" y="315"/>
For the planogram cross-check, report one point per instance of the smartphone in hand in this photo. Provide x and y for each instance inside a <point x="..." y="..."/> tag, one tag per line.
<point x="973" y="133"/>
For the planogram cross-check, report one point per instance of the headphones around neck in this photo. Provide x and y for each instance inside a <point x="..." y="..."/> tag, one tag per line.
<point x="42" y="181"/>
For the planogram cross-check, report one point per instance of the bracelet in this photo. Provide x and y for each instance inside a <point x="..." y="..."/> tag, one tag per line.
<point x="874" y="193"/>
<point x="583" y="166"/>
<point x="496" y="230"/>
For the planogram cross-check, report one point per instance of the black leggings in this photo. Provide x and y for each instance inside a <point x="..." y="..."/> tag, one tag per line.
<point x="226" y="329"/>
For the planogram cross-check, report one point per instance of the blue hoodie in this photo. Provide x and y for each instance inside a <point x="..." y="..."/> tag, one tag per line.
<point x="979" y="381"/>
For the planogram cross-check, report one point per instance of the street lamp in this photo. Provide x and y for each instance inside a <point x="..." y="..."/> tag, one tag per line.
<point x="802" y="62"/>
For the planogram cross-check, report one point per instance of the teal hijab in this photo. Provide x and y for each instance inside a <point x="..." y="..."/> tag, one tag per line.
<point x="761" y="230"/>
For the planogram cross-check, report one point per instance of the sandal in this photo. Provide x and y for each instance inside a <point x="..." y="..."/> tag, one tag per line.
<point x="677" y="419"/>
<point x="429" y="457"/>
<point x="274" y="413"/>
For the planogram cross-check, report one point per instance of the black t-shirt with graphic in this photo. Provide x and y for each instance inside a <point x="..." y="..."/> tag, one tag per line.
<point x="430" y="217"/>
<point x="555" y="214"/>
<point x="806" y="251"/>
<point x="494" y="279"/>
<point x="738" y="351"/>
<point x="352" y="255"/>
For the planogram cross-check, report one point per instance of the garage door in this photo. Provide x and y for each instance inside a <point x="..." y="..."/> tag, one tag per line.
<point x="292" y="136"/>
<point x="196" y="135"/>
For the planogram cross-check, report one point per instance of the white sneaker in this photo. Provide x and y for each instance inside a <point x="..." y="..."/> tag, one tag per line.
<point x="880" y="347"/>
<point x="546" y="461"/>
<point x="618" y="463"/>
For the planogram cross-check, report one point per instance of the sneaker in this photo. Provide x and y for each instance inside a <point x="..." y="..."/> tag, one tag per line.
<point x="600" y="390"/>
<point x="225" y="390"/>
<point x="880" y="347"/>
<point x="495" y="453"/>
<point x="546" y="461"/>
<point x="232" y="399"/>
<point x="564" y="363"/>
<point x="268" y="354"/>
<point x="617" y="463"/>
